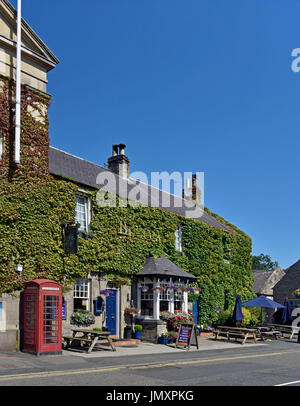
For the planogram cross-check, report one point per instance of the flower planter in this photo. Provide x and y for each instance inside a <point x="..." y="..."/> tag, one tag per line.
<point x="163" y="340"/>
<point x="137" y="335"/>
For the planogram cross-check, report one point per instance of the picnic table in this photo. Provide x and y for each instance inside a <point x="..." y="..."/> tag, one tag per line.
<point x="264" y="332"/>
<point x="90" y="337"/>
<point x="286" y="329"/>
<point x="235" y="332"/>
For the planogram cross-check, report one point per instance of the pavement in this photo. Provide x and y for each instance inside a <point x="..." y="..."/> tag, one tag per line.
<point x="22" y="363"/>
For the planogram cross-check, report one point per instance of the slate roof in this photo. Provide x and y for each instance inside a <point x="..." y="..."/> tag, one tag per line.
<point x="86" y="173"/>
<point x="260" y="278"/>
<point x="163" y="267"/>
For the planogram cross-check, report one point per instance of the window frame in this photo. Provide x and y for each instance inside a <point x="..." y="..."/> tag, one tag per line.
<point x="178" y="239"/>
<point x="83" y="291"/>
<point x="87" y="212"/>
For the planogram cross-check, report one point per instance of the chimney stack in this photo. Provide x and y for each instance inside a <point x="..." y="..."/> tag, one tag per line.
<point x="119" y="162"/>
<point x="192" y="193"/>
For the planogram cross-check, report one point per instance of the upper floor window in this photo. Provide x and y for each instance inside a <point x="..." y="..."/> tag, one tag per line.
<point x="178" y="240"/>
<point x="82" y="213"/>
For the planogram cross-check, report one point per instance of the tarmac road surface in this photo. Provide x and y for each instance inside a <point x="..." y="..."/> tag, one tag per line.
<point x="273" y="363"/>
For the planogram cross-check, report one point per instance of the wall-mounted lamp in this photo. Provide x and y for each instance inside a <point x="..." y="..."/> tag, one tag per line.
<point x="19" y="268"/>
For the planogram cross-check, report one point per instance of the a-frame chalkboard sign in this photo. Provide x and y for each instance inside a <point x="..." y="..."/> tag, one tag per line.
<point x="187" y="336"/>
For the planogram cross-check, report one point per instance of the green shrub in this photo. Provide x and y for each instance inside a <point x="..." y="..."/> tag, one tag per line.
<point x="82" y="318"/>
<point x="138" y="327"/>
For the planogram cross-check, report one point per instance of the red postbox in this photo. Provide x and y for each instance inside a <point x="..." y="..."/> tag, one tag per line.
<point x="42" y="331"/>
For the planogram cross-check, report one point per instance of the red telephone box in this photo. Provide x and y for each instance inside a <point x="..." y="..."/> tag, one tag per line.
<point x="42" y="334"/>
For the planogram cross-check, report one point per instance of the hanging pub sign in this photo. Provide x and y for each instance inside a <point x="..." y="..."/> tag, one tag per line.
<point x="71" y="239"/>
<point x="187" y="336"/>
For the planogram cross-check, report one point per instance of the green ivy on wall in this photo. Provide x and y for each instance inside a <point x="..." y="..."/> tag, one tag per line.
<point x="33" y="206"/>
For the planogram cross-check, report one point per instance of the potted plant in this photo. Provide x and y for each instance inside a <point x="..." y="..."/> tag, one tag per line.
<point x="172" y="337"/>
<point x="163" y="338"/>
<point x="138" y="331"/>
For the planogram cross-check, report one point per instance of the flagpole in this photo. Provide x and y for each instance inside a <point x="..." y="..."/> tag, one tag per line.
<point x="18" y="86"/>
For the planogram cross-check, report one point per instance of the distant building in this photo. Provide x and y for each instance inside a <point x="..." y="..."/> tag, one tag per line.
<point x="264" y="282"/>
<point x="286" y="286"/>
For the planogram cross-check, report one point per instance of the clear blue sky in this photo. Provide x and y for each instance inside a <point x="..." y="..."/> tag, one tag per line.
<point x="195" y="85"/>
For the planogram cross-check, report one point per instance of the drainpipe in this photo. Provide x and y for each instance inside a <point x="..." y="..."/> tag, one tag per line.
<point x="18" y="85"/>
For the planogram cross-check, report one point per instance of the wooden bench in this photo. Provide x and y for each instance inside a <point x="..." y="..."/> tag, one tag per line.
<point x="90" y="337"/>
<point x="235" y="332"/>
<point x="286" y="329"/>
<point x="69" y="340"/>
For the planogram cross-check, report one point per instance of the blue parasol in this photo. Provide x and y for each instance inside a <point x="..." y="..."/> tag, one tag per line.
<point x="286" y="313"/>
<point x="263" y="301"/>
<point x="237" y="312"/>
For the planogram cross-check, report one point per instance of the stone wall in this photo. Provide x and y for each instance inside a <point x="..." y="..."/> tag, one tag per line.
<point x="152" y="329"/>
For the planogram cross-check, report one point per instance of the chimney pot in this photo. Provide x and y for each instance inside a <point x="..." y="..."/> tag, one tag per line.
<point x="122" y="149"/>
<point x="115" y="150"/>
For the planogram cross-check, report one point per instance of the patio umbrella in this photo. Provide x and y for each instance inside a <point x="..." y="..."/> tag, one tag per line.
<point x="263" y="301"/>
<point x="237" y="312"/>
<point x="286" y="313"/>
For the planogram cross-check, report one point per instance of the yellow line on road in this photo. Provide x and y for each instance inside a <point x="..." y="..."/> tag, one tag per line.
<point x="136" y="367"/>
<point x="205" y="361"/>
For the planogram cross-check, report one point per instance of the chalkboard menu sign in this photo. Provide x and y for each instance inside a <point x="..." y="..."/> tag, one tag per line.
<point x="186" y="335"/>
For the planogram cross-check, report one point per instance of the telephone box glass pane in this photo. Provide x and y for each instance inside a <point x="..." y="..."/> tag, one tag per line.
<point x="50" y="319"/>
<point x="29" y="319"/>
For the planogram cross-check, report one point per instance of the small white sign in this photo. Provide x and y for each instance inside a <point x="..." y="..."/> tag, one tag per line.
<point x="49" y="288"/>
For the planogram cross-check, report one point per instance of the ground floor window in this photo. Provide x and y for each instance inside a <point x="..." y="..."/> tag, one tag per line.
<point x="81" y="295"/>
<point x="164" y="298"/>
<point x="147" y="300"/>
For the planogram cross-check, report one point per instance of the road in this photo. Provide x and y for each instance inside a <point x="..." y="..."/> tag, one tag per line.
<point x="273" y="364"/>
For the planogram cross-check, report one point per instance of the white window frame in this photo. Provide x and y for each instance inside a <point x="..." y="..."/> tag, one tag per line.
<point x="87" y="209"/>
<point x="178" y="239"/>
<point x="82" y="291"/>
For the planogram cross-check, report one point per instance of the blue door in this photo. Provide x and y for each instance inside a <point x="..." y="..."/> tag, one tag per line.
<point x="195" y="311"/>
<point x="111" y="312"/>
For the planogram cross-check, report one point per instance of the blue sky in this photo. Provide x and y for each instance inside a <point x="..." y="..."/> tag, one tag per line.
<point x="188" y="86"/>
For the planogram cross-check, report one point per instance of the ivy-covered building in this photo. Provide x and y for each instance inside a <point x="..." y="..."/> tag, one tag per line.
<point x="50" y="189"/>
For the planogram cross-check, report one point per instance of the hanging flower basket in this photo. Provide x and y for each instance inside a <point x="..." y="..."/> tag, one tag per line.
<point x="160" y="288"/>
<point x="296" y="293"/>
<point x="106" y="292"/>
<point x="144" y="288"/>
<point x="182" y="288"/>
<point x="131" y="310"/>
<point x="171" y="287"/>
<point x="190" y="290"/>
